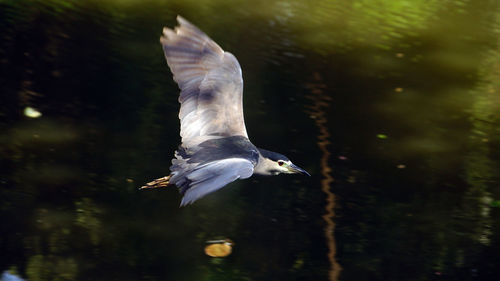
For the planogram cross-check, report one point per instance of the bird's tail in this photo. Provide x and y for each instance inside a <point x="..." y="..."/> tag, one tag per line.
<point x="157" y="183"/>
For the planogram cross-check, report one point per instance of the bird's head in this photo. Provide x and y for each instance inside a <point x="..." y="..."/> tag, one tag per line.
<point x="272" y="163"/>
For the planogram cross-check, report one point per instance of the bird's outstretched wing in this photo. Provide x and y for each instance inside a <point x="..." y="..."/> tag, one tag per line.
<point x="212" y="176"/>
<point x="210" y="81"/>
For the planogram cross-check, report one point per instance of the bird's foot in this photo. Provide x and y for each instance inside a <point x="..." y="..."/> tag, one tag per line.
<point x="157" y="183"/>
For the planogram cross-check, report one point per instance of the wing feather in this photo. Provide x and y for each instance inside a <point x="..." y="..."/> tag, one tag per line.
<point x="214" y="175"/>
<point x="210" y="81"/>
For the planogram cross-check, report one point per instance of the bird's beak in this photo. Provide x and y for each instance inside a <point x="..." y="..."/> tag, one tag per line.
<point x="297" y="170"/>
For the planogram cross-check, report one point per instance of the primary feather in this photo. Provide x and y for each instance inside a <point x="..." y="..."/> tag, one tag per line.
<point x="215" y="149"/>
<point x="210" y="81"/>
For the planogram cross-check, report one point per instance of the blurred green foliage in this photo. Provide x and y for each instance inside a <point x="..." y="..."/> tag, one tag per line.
<point x="423" y="72"/>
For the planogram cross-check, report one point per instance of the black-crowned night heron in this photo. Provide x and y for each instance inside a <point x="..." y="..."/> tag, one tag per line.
<point x="215" y="148"/>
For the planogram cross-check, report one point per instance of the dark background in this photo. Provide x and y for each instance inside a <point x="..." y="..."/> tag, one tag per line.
<point x="397" y="101"/>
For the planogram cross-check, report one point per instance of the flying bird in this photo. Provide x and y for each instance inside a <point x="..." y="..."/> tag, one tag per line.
<point x="215" y="149"/>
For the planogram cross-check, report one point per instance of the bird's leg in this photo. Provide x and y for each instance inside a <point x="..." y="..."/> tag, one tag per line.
<point x="161" y="182"/>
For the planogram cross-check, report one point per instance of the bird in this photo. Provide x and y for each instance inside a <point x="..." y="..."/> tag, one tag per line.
<point x="215" y="149"/>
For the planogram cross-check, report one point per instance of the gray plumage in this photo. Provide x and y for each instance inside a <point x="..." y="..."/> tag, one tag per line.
<point x="210" y="81"/>
<point x="215" y="149"/>
<point x="211" y="165"/>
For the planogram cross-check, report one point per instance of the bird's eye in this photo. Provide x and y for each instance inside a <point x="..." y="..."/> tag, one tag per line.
<point x="281" y="163"/>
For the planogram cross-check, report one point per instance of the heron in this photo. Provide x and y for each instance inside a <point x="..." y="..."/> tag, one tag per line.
<point x="215" y="149"/>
